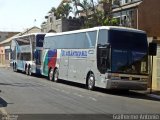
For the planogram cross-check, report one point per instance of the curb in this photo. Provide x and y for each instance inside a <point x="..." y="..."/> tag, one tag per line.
<point x="154" y="96"/>
<point x="147" y="93"/>
<point x="4" y="66"/>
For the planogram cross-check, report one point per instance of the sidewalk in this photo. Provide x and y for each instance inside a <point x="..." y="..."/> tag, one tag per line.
<point x="4" y="66"/>
<point x="154" y="94"/>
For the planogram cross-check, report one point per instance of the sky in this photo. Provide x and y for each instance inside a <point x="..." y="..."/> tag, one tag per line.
<point x="18" y="15"/>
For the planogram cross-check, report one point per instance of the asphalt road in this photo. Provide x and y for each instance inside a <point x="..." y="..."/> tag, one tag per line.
<point x="22" y="94"/>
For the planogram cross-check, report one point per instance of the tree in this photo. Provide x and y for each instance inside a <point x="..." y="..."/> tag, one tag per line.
<point x="63" y="11"/>
<point x="92" y="16"/>
<point x="53" y="9"/>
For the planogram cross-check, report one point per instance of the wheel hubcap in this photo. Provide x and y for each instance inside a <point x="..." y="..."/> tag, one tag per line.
<point x="30" y="71"/>
<point x="51" y="75"/>
<point x="91" y="82"/>
<point x="56" y="76"/>
<point x="27" y="71"/>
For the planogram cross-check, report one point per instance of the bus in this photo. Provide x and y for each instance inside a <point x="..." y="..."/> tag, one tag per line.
<point x="106" y="57"/>
<point x="26" y="52"/>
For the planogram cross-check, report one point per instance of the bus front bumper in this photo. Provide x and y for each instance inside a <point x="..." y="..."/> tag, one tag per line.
<point x="126" y="85"/>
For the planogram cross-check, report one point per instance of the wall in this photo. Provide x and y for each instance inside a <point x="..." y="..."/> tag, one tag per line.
<point x="149" y="21"/>
<point x="2" y="55"/>
<point x="149" y="17"/>
<point x="5" y="35"/>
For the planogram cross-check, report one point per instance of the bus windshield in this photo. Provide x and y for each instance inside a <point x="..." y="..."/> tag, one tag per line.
<point x="128" y="52"/>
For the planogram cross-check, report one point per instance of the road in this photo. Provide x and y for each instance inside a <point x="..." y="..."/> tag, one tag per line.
<point x="22" y="94"/>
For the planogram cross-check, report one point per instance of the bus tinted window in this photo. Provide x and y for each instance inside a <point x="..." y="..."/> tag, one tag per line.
<point x="128" y="40"/>
<point x="23" y="40"/>
<point x="75" y="41"/>
<point x="91" y="38"/>
<point x="129" y="52"/>
<point x="39" y="40"/>
<point x="103" y="37"/>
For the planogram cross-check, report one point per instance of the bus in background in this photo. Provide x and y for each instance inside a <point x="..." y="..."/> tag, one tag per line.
<point x="106" y="57"/>
<point x="27" y="53"/>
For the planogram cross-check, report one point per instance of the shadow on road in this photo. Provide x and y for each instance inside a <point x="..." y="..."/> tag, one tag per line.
<point x="129" y="94"/>
<point x="21" y="84"/>
<point x="3" y="103"/>
<point x="123" y="93"/>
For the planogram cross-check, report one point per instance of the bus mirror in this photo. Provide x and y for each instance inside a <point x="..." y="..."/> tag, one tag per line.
<point x="153" y="49"/>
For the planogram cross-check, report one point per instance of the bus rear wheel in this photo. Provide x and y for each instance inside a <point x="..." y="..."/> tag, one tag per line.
<point x="50" y="75"/>
<point x="91" y="82"/>
<point x="55" y="75"/>
<point x="15" y="67"/>
<point x="29" y="70"/>
<point x="26" y="70"/>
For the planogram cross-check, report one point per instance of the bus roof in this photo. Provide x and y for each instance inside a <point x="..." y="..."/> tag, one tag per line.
<point x="97" y="28"/>
<point x="29" y="35"/>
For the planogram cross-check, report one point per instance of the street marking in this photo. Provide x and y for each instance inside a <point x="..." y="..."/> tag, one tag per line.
<point x="55" y="89"/>
<point x="65" y="91"/>
<point x="79" y="95"/>
<point x="94" y="99"/>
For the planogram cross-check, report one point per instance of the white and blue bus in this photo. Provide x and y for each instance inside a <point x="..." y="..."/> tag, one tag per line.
<point x="27" y="53"/>
<point x="106" y="57"/>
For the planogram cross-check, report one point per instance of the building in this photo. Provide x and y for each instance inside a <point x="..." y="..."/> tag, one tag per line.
<point x="60" y="25"/>
<point x="53" y="24"/>
<point x="139" y="14"/>
<point x="5" y="45"/>
<point x="5" y="35"/>
<point x="144" y="15"/>
<point x="126" y="11"/>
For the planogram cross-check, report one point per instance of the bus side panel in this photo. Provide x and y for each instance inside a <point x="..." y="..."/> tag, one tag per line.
<point x="49" y="61"/>
<point x="77" y="66"/>
<point x="45" y="63"/>
<point x="20" y="65"/>
<point x="52" y="58"/>
<point x="63" y="65"/>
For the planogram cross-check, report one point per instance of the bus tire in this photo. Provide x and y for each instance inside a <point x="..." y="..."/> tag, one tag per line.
<point x="91" y="82"/>
<point x="50" y="74"/>
<point x="26" y="70"/>
<point x="15" y="67"/>
<point x="55" y="75"/>
<point x="29" y="70"/>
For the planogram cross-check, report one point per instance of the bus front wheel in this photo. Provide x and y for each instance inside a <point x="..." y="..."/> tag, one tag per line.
<point x="91" y="82"/>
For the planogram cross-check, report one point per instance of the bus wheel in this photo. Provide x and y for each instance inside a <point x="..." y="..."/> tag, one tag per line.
<point x="55" y="75"/>
<point x="26" y="70"/>
<point x="15" y="67"/>
<point x="29" y="70"/>
<point x="50" y="75"/>
<point x="91" y="82"/>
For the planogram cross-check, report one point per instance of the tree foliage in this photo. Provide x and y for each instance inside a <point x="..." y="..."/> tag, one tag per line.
<point x="92" y="16"/>
<point x="62" y="11"/>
